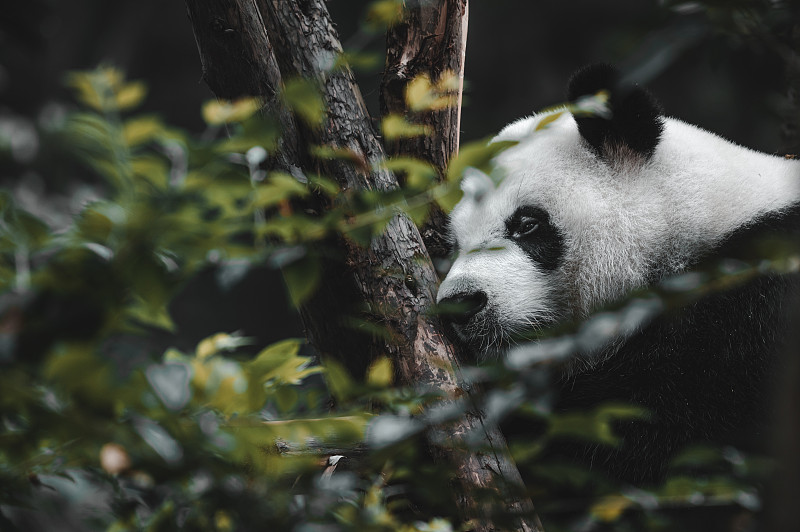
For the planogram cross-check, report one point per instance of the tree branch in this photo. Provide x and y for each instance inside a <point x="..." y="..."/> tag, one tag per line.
<point x="394" y="274"/>
<point x="430" y="41"/>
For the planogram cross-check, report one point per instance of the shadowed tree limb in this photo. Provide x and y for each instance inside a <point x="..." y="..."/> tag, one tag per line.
<point x="394" y="275"/>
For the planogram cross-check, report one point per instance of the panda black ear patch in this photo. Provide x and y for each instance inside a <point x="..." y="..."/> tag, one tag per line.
<point x="636" y="120"/>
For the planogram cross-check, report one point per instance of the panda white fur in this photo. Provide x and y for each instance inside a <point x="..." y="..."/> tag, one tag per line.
<point x="587" y="209"/>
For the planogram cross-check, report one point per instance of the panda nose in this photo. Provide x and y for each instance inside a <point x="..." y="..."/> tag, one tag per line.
<point x="461" y="307"/>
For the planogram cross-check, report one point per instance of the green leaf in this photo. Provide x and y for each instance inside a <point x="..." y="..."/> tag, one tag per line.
<point x="478" y="154"/>
<point x="219" y="112"/>
<point x="141" y="130"/>
<point x="105" y="89"/>
<point x="152" y="169"/>
<point x="302" y="278"/>
<point x="380" y="373"/>
<point x="395" y="126"/>
<point x="286" y="398"/>
<point x="94" y="225"/>
<point x="270" y="362"/>
<point x="304" y="98"/>
<point x="382" y="14"/>
<point x="422" y="95"/>
<point x="278" y="187"/>
<point x="34" y="232"/>
<point x="358" y="60"/>
<point x="417" y="174"/>
<point x="610" y="508"/>
<point x="548" y="119"/>
<point x="129" y="95"/>
<point x="146" y="313"/>
<point x="340" y="383"/>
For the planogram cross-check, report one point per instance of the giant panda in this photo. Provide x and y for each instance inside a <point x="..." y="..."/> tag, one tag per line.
<point x="586" y="208"/>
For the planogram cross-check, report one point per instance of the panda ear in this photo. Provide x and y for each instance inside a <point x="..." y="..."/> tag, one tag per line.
<point x="635" y="122"/>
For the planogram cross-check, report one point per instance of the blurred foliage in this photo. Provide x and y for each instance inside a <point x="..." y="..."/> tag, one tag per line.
<point x="103" y="427"/>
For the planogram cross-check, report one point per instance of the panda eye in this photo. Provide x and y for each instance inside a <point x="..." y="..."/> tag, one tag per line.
<point x="525" y="226"/>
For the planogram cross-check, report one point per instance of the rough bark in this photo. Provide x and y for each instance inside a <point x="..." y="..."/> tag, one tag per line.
<point x="430" y="41"/>
<point x="238" y="61"/>
<point x="394" y="275"/>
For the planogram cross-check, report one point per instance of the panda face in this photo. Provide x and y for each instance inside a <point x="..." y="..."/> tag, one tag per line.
<point x="534" y="249"/>
<point x="582" y="211"/>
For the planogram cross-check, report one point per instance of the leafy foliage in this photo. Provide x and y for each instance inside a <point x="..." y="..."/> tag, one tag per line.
<point x="95" y="397"/>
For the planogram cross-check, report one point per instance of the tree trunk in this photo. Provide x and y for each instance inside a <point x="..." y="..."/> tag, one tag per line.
<point x="430" y="41"/>
<point x="394" y="275"/>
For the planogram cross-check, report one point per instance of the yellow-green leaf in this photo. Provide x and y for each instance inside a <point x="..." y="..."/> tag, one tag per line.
<point x="476" y="154"/>
<point x="384" y="13"/>
<point x="130" y="95"/>
<point x="380" y="373"/>
<point x="302" y="278"/>
<point x="419" y="174"/>
<point x="304" y="98"/>
<point x="395" y="126"/>
<point x="278" y="187"/>
<point x="141" y="130"/>
<point x="340" y="383"/>
<point x="422" y="95"/>
<point x="548" y="119"/>
<point x="609" y="509"/>
<point x="218" y="112"/>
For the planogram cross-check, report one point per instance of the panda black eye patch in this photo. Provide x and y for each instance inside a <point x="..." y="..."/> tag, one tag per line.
<point x="530" y="228"/>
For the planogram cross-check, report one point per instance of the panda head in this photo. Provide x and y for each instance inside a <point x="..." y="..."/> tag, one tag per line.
<point x="586" y="208"/>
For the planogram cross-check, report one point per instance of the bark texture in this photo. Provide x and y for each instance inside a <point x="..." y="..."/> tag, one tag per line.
<point x="394" y="275"/>
<point x="429" y="41"/>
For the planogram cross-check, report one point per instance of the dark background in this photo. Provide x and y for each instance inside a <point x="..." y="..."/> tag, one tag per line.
<point x="519" y="58"/>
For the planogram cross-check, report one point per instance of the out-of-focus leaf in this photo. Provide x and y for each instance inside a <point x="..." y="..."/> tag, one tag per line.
<point x="422" y="95"/>
<point x="449" y="198"/>
<point x="610" y="508"/>
<point x="159" y="439"/>
<point x="323" y="184"/>
<point x="302" y="278"/>
<point x="152" y="169"/>
<point x="358" y="60"/>
<point x="170" y="381"/>
<point x="340" y="383"/>
<point x="477" y="154"/>
<point x="418" y="174"/>
<point x="34" y="232"/>
<point x="382" y="14"/>
<point x="594" y="425"/>
<point x="549" y="119"/>
<point x="141" y="130"/>
<point x="343" y="154"/>
<point x="395" y="126"/>
<point x="258" y="130"/>
<point x="218" y="343"/>
<point x="296" y="228"/>
<point x="380" y="373"/>
<point x="130" y="95"/>
<point x="387" y="429"/>
<point x="304" y="98"/>
<point x="286" y="397"/>
<point x="218" y="112"/>
<point x="146" y="313"/>
<point x="105" y="89"/>
<point x="94" y="225"/>
<point x="277" y="188"/>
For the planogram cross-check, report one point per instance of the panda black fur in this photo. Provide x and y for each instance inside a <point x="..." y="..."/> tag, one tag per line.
<point x="588" y="208"/>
